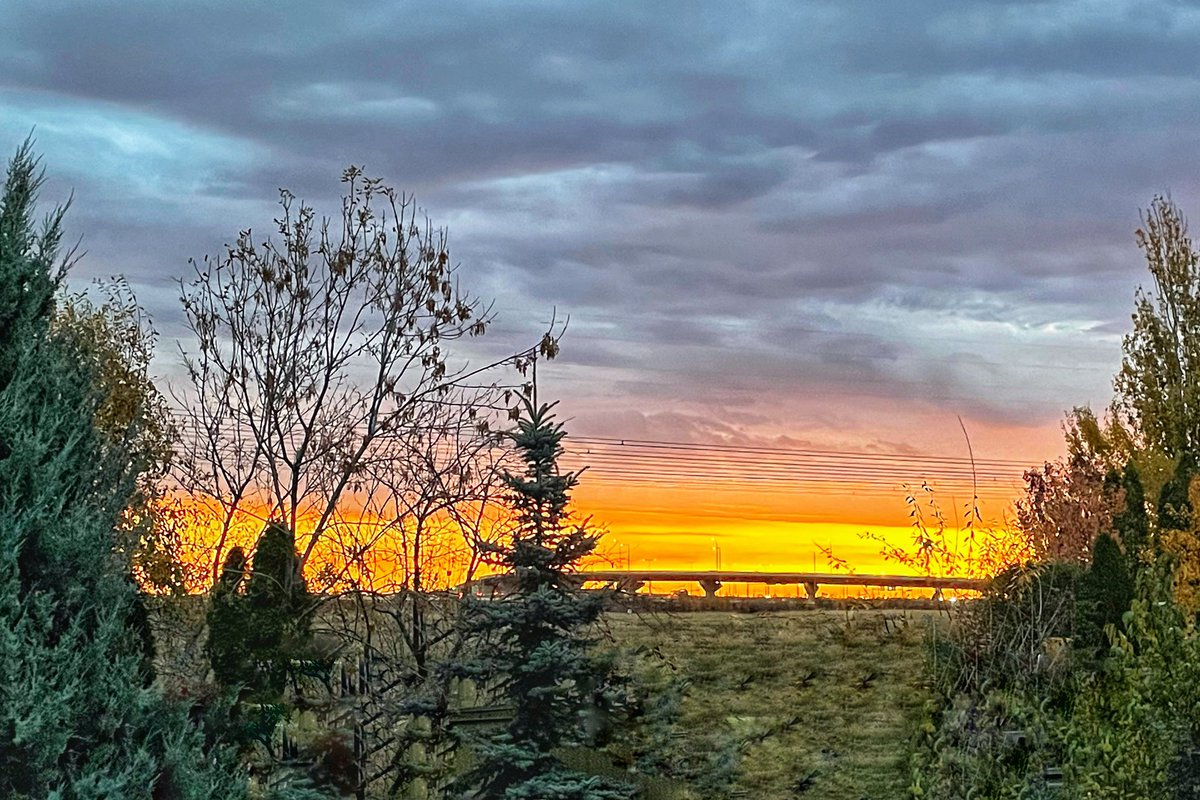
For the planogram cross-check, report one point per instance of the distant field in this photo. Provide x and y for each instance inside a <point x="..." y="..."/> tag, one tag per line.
<point x="825" y="701"/>
<point x="834" y="696"/>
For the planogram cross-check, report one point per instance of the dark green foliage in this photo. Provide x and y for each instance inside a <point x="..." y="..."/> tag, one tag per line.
<point x="233" y="573"/>
<point x="1134" y="723"/>
<point x="227" y="648"/>
<point x="275" y="580"/>
<point x="259" y="623"/>
<point x="280" y="609"/>
<point x="259" y="638"/>
<point x="1174" y="505"/>
<point x="30" y="270"/>
<point x="139" y="625"/>
<point x="538" y="658"/>
<point x="1104" y="594"/>
<point x="76" y="717"/>
<point x="1132" y="522"/>
<point x="1184" y="774"/>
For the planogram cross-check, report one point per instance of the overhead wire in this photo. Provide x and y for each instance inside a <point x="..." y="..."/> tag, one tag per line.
<point x="749" y="467"/>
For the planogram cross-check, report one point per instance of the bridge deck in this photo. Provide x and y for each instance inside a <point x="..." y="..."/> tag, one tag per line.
<point x="712" y="580"/>
<point x="819" y="578"/>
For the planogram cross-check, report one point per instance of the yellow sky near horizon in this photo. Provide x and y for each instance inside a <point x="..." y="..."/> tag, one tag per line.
<point x="683" y="528"/>
<point x="804" y="524"/>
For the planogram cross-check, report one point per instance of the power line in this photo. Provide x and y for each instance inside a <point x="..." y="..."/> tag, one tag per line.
<point x="787" y="475"/>
<point x="758" y="468"/>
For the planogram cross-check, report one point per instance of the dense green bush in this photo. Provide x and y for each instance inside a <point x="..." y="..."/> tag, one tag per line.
<point x="1003" y="678"/>
<point x="1104" y="595"/>
<point x="1117" y="723"/>
<point x="1134" y="725"/>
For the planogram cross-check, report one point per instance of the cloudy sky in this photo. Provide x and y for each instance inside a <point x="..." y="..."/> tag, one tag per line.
<point x="837" y="224"/>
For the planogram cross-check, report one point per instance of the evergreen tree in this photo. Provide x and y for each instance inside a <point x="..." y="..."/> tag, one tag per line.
<point x="280" y="607"/>
<point x="1174" y="501"/>
<point x="259" y="634"/>
<point x="227" y="649"/>
<point x="30" y="271"/>
<point x="258" y="617"/>
<point x="76" y="718"/>
<point x="1104" y="594"/>
<point x="1132" y="523"/>
<point x="537" y="655"/>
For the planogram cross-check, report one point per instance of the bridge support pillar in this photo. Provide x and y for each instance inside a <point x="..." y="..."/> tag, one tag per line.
<point x="630" y="585"/>
<point x="810" y="588"/>
<point x="710" y="587"/>
<point x="937" y="595"/>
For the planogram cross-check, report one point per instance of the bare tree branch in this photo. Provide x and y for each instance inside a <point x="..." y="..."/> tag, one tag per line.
<point x="323" y="390"/>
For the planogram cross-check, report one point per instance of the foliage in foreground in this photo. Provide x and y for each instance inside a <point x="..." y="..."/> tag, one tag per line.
<point x="1060" y="684"/>
<point x="77" y="717"/>
<point x="1053" y="720"/>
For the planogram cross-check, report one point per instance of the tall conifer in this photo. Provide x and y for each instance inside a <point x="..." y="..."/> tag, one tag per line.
<point x="76" y="718"/>
<point x="1132" y="522"/>
<point x="538" y="655"/>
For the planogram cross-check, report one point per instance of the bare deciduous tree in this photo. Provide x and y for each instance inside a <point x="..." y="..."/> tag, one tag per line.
<point x="323" y="375"/>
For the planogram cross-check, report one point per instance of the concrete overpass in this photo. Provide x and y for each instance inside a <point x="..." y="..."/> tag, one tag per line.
<point x="711" y="581"/>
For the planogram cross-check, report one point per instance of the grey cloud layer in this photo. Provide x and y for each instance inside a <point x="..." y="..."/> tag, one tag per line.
<point x="730" y="202"/>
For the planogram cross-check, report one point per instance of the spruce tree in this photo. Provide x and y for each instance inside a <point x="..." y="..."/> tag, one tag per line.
<point x="76" y="717"/>
<point x="537" y="656"/>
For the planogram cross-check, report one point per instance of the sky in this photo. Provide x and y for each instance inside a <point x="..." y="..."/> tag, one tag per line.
<point x="819" y="228"/>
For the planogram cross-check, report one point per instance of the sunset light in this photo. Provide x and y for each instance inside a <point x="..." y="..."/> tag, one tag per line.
<point x="599" y="401"/>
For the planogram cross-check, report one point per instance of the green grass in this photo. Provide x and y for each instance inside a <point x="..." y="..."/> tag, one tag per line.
<point x="826" y="702"/>
<point x="830" y="695"/>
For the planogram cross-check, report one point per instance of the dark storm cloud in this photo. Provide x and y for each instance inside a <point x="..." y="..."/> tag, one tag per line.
<point x="727" y="199"/>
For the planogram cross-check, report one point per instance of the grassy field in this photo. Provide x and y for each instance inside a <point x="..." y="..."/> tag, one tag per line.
<point x="825" y="702"/>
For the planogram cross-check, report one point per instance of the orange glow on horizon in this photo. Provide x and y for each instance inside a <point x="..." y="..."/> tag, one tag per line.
<point x="696" y="529"/>
<point x="644" y="527"/>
